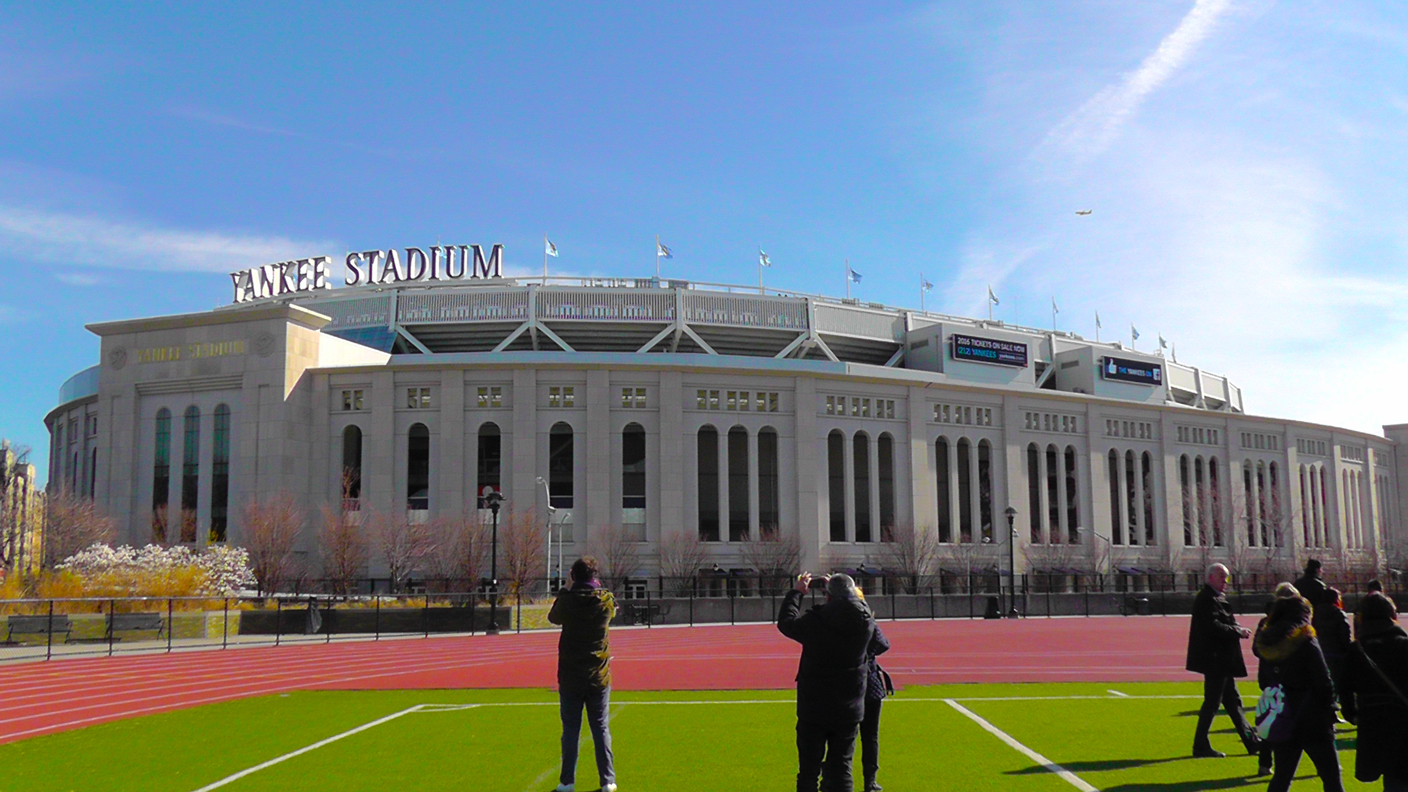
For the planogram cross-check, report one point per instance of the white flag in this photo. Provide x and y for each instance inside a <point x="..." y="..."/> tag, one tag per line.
<point x="763" y="259"/>
<point x="993" y="297"/>
<point x="1162" y="343"/>
<point x="549" y="248"/>
<point x="1133" y="332"/>
<point x="1098" y="326"/>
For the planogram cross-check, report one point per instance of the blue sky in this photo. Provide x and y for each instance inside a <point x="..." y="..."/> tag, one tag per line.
<point x="1244" y="160"/>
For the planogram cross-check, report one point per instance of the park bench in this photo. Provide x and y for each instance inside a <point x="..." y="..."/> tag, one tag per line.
<point x="36" y="625"/>
<point x="132" y="622"/>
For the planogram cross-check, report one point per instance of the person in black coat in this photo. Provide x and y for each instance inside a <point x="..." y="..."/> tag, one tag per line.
<point x="1215" y="651"/>
<point x="830" y="679"/>
<point x="1291" y="657"/>
<point x="1311" y="585"/>
<point x="1370" y="702"/>
<point x="876" y="689"/>
<point x="1332" y="631"/>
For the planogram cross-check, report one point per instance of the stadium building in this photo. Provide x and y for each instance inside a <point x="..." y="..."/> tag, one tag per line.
<point x="672" y="407"/>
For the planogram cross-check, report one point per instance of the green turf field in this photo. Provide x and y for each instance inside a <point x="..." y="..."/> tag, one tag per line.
<point x="670" y="741"/>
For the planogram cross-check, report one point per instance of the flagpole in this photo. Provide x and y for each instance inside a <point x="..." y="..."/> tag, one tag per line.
<point x="1054" y="311"/>
<point x="545" y="259"/>
<point x="760" y="268"/>
<point x="1097" y="327"/>
<point x="921" y="292"/>
<point x="989" y="302"/>
<point x="848" y="279"/>
<point x="657" y="257"/>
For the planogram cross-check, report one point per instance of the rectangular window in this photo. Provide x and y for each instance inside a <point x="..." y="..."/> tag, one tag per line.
<point x="640" y="398"/>
<point x="627" y="399"/>
<point x="762" y="403"/>
<point x="865" y="408"/>
<point x="482" y="398"/>
<point x="773" y="400"/>
<point x="418" y="398"/>
<point x="855" y="406"/>
<point x="702" y="400"/>
<point x="743" y="400"/>
<point x="713" y="400"/>
<point x="830" y="405"/>
<point x="733" y="400"/>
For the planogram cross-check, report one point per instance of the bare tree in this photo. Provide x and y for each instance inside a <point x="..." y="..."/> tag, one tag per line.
<point x="970" y="558"/>
<point x="271" y="528"/>
<point x="619" y="554"/>
<point x="16" y="524"/>
<point x="522" y="548"/>
<point x="913" y="554"/>
<point x="344" y="549"/>
<point x="402" y="544"/>
<point x="71" y="524"/>
<point x="776" y="557"/>
<point x="682" y="555"/>
<point x="460" y="551"/>
<point x="1054" y="561"/>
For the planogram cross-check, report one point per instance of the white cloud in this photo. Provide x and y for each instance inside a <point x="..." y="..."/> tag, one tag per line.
<point x="78" y="279"/>
<point x="96" y="242"/>
<point x="984" y="265"/>
<point x="1088" y="131"/>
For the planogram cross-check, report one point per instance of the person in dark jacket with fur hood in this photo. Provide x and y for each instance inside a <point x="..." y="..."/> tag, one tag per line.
<point x="1371" y="702"/>
<point x="584" y="670"/>
<point x="831" y="679"/>
<point x="1291" y="657"/>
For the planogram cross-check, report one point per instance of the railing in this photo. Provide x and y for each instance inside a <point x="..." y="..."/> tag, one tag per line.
<point x="43" y="629"/>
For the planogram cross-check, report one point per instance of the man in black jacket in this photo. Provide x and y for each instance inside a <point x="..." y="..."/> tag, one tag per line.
<point x="831" y="679"/>
<point x="1215" y="651"/>
<point x="1311" y="585"/>
<point x="584" y="671"/>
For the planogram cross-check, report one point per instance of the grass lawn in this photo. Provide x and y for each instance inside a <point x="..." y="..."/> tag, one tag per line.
<point x="664" y="741"/>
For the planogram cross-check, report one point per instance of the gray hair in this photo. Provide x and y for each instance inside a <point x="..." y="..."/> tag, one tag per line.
<point x="1218" y="569"/>
<point x="841" y="586"/>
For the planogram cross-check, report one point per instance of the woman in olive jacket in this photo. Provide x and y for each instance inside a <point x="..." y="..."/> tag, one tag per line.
<point x="1382" y="716"/>
<point x="1291" y="657"/>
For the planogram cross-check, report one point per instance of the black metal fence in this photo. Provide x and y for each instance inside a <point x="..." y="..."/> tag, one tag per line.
<point x="50" y="628"/>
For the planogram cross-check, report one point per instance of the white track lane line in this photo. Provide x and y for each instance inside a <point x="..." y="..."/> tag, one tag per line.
<point x="1066" y="775"/>
<point x="1114" y="692"/>
<point x="315" y="746"/>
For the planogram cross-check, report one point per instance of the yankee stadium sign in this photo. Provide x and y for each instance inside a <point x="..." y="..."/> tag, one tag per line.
<point x="371" y="267"/>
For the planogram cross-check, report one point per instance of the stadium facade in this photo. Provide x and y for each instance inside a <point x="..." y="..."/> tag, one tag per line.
<point x="665" y="406"/>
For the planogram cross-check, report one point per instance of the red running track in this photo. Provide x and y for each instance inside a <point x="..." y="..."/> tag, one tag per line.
<point x="46" y="697"/>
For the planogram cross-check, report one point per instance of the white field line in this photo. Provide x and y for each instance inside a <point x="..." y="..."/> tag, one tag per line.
<point x="1066" y="775"/>
<point x="315" y="746"/>
<point x="1114" y="692"/>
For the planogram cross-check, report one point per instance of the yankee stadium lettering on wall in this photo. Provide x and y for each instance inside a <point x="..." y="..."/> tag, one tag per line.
<point x="371" y="267"/>
<point x="1137" y="371"/>
<point x="988" y="350"/>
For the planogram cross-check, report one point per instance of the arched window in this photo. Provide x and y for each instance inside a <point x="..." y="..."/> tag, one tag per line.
<point x="1305" y="536"/>
<point x="490" y="466"/>
<point x="161" y="475"/>
<point x="93" y="473"/>
<point x="1261" y="502"/>
<point x="1273" y="499"/>
<point x="708" y="458"/>
<point x="860" y="452"/>
<point x="1053" y="495"/>
<point x="985" y="489"/>
<point x="1148" y="478"/>
<point x="350" y="482"/>
<point x="885" y="448"/>
<point x="1117" y="534"/>
<point x="418" y="468"/>
<point x="738" y="495"/>
<point x="190" y="474"/>
<point x="1201" y="490"/>
<point x="836" y="483"/>
<point x="1249" y="498"/>
<point x="1034" y="493"/>
<point x="1324" y="510"/>
<point x="220" y="476"/>
<point x="769" y="488"/>
<point x="1072" y="497"/>
<point x="965" y="490"/>
<point x="633" y="467"/>
<point x="1215" y="500"/>
<point x="1185" y="491"/>
<point x="941" y="481"/>
<point x="1132" y="501"/>
<point x="561" y="465"/>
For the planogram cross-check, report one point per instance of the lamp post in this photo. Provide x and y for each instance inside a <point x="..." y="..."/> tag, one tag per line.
<point x="492" y="500"/>
<point x="1012" y="560"/>
<point x="547" y="498"/>
<point x="1110" y="562"/>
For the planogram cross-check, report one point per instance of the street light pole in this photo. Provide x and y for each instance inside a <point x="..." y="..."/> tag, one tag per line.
<point x="1110" y="562"/>
<point x="547" y="498"/>
<point x="493" y="500"/>
<point x="1012" y="560"/>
